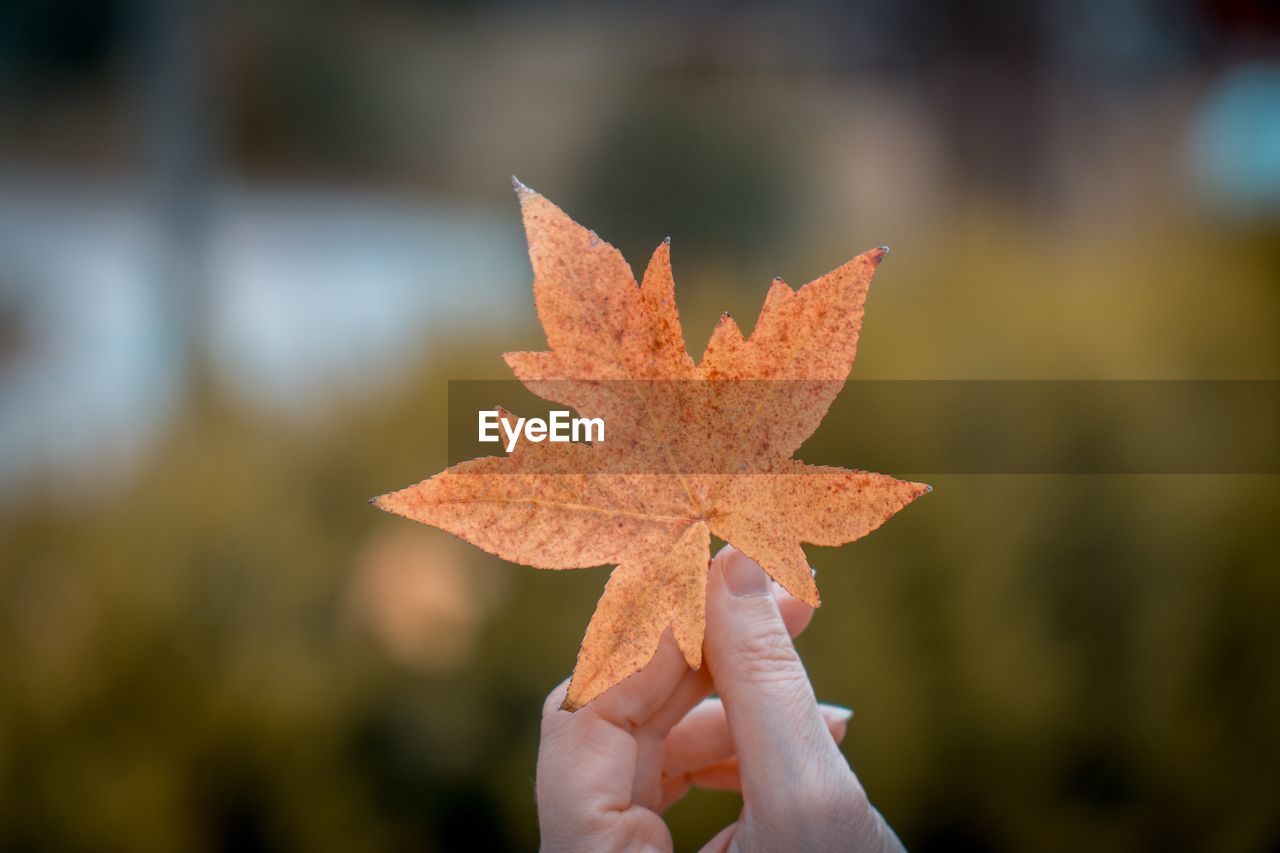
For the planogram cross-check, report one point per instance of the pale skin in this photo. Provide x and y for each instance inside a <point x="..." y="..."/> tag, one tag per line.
<point x="607" y="772"/>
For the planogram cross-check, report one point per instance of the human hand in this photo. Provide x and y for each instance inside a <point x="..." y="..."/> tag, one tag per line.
<point x="608" y="771"/>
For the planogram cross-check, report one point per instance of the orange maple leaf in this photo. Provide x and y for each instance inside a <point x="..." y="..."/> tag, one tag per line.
<point x="691" y="449"/>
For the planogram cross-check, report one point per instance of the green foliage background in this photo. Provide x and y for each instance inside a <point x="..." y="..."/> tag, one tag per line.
<point x="1047" y="663"/>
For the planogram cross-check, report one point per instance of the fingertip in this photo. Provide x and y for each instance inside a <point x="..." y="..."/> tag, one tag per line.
<point x="554" y="704"/>
<point x="837" y="718"/>
<point x="743" y="576"/>
<point x="556" y="696"/>
<point x="795" y="613"/>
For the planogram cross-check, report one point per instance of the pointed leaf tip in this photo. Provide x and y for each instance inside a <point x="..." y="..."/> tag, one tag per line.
<point x="521" y="190"/>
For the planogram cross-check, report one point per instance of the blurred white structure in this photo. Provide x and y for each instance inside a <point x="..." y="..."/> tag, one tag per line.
<point x="302" y="293"/>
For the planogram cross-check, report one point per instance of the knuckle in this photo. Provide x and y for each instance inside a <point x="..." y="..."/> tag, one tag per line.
<point x="826" y="801"/>
<point x="769" y="658"/>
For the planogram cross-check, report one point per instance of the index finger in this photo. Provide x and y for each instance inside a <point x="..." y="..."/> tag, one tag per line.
<point x="587" y="759"/>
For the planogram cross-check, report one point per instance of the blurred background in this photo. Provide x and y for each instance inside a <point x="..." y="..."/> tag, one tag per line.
<point x="244" y="246"/>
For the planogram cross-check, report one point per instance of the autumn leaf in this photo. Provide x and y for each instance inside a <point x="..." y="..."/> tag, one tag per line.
<point x="691" y="450"/>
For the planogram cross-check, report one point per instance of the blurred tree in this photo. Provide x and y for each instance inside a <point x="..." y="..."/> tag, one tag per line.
<point x="687" y="162"/>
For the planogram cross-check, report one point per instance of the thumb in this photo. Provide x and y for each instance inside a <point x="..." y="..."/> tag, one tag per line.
<point x="778" y="732"/>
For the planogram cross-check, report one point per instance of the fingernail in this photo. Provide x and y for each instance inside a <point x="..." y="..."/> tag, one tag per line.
<point x="843" y="714"/>
<point x="744" y="577"/>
